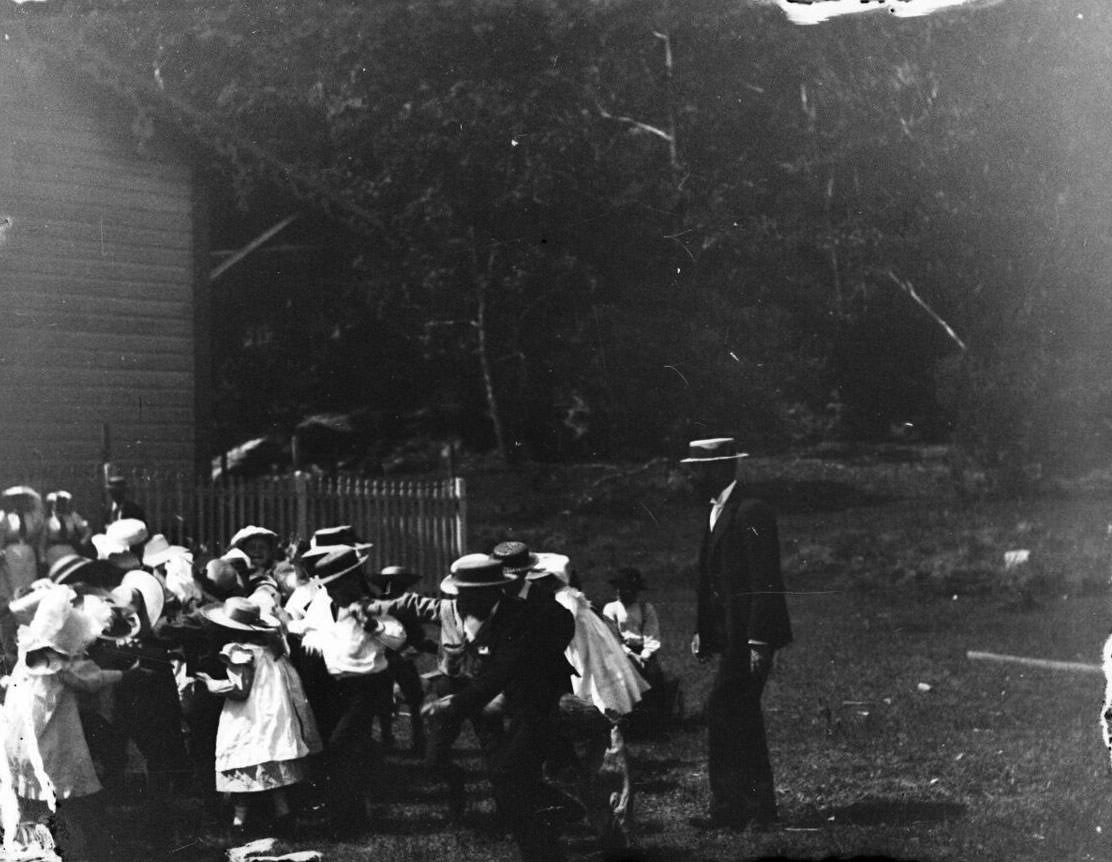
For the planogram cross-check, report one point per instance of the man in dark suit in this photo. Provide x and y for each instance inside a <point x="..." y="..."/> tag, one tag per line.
<point x="517" y="649"/>
<point x="743" y="618"/>
<point x="120" y="505"/>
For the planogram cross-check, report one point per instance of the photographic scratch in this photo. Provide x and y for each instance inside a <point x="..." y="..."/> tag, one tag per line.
<point x="808" y="12"/>
<point x="684" y="379"/>
<point x="647" y="509"/>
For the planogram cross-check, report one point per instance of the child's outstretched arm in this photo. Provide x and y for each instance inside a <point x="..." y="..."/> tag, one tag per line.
<point x="241" y="674"/>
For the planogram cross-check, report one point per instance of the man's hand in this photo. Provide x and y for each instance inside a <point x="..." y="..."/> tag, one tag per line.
<point x="697" y="649"/>
<point x="760" y="661"/>
<point x="435" y="707"/>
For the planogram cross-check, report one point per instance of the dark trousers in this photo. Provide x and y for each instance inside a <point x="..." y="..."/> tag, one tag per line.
<point x="404" y="674"/>
<point x="351" y="754"/>
<point x="737" y="752"/>
<point x="443" y="731"/>
<point x="149" y="713"/>
<point x="514" y="760"/>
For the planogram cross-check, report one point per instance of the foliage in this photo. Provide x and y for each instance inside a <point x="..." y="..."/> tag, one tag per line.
<point x="585" y="228"/>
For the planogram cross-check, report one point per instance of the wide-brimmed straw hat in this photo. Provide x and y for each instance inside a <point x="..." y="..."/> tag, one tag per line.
<point x="60" y="626"/>
<point x="516" y="558"/>
<point x="158" y="550"/>
<point x="712" y="449"/>
<point x="335" y="563"/>
<point x="476" y="570"/>
<point x="240" y="614"/>
<point x="148" y="587"/>
<point x="119" y="536"/>
<point x="252" y="532"/>
<point x="554" y="565"/>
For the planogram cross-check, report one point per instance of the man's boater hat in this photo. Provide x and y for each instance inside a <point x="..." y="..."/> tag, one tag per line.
<point x="712" y="449"/>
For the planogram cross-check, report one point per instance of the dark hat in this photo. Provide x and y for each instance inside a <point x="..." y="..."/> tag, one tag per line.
<point x="334" y="563"/>
<point x="241" y="614"/>
<point x="399" y="575"/>
<point x="515" y="557"/>
<point x="630" y="578"/>
<point x="476" y="570"/>
<point x="712" y="449"/>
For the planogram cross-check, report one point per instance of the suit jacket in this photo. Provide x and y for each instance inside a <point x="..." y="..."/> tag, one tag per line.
<point x="741" y="589"/>
<point x="519" y="652"/>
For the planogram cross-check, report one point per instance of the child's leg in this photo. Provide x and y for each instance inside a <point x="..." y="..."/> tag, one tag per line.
<point x="239" y="812"/>
<point x="281" y="802"/>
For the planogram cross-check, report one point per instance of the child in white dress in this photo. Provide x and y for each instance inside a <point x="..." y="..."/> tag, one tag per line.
<point x="267" y="729"/>
<point x="47" y="759"/>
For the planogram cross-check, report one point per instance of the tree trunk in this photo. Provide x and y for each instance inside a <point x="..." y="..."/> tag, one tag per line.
<point x="494" y="411"/>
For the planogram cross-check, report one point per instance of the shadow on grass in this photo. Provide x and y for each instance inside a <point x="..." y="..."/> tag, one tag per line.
<point x="812" y="495"/>
<point x="659" y="853"/>
<point x="893" y="812"/>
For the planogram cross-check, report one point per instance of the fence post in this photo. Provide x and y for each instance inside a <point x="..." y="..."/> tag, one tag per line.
<point x="461" y="516"/>
<point x="301" y="490"/>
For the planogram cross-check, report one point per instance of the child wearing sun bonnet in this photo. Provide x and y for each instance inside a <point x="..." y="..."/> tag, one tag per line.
<point x="47" y="757"/>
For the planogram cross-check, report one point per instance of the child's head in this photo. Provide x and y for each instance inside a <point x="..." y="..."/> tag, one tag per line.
<point x="394" y="581"/>
<point x="628" y="583"/>
<point x="259" y="544"/>
<point x="141" y="592"/>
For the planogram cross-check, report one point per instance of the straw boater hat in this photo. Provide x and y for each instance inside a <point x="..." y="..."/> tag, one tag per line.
<point x="554" y="565"/>
<point x="240" y="614"/>
<point x="516" y="558"/>
<point x="73" y="568"/>
<point x="712" y="449"/>
<point x="400" y="575"/>
<point x="327" y="538"/>
<point x="476" y="570"/>
<point x="251" y="532"/>
<point x="335" y="563"/>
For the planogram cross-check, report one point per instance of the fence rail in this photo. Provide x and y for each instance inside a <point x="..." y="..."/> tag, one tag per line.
<point x="418" y="523"/>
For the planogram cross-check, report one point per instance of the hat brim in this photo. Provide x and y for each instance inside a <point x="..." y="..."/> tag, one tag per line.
<point x="715" y="458"/>
<point x="525" y="568"/>
<point x="337" y="575"/>
<point x="216" y="614"/>
<point x="451" y="584"/>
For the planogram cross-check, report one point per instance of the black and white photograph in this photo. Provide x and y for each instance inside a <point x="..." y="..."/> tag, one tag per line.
<point x="555" y="430"/>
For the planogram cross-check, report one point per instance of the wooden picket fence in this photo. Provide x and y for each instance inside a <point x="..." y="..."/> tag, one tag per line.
<point x="417" y="523"/>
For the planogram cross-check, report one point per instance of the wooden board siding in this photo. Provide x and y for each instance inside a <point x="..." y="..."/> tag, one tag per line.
<point x="98" y="284"/>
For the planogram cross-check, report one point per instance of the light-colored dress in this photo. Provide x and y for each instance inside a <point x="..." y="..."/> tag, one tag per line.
<point x="607" y="678"/>
<point x="44" y="741"/>
<point x="263" y="737"/>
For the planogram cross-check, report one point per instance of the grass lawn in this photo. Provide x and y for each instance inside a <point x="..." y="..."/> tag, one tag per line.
<point x="886" y="740"/>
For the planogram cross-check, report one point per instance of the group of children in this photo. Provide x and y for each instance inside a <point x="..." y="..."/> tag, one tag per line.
<point x="254" y="679"/>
